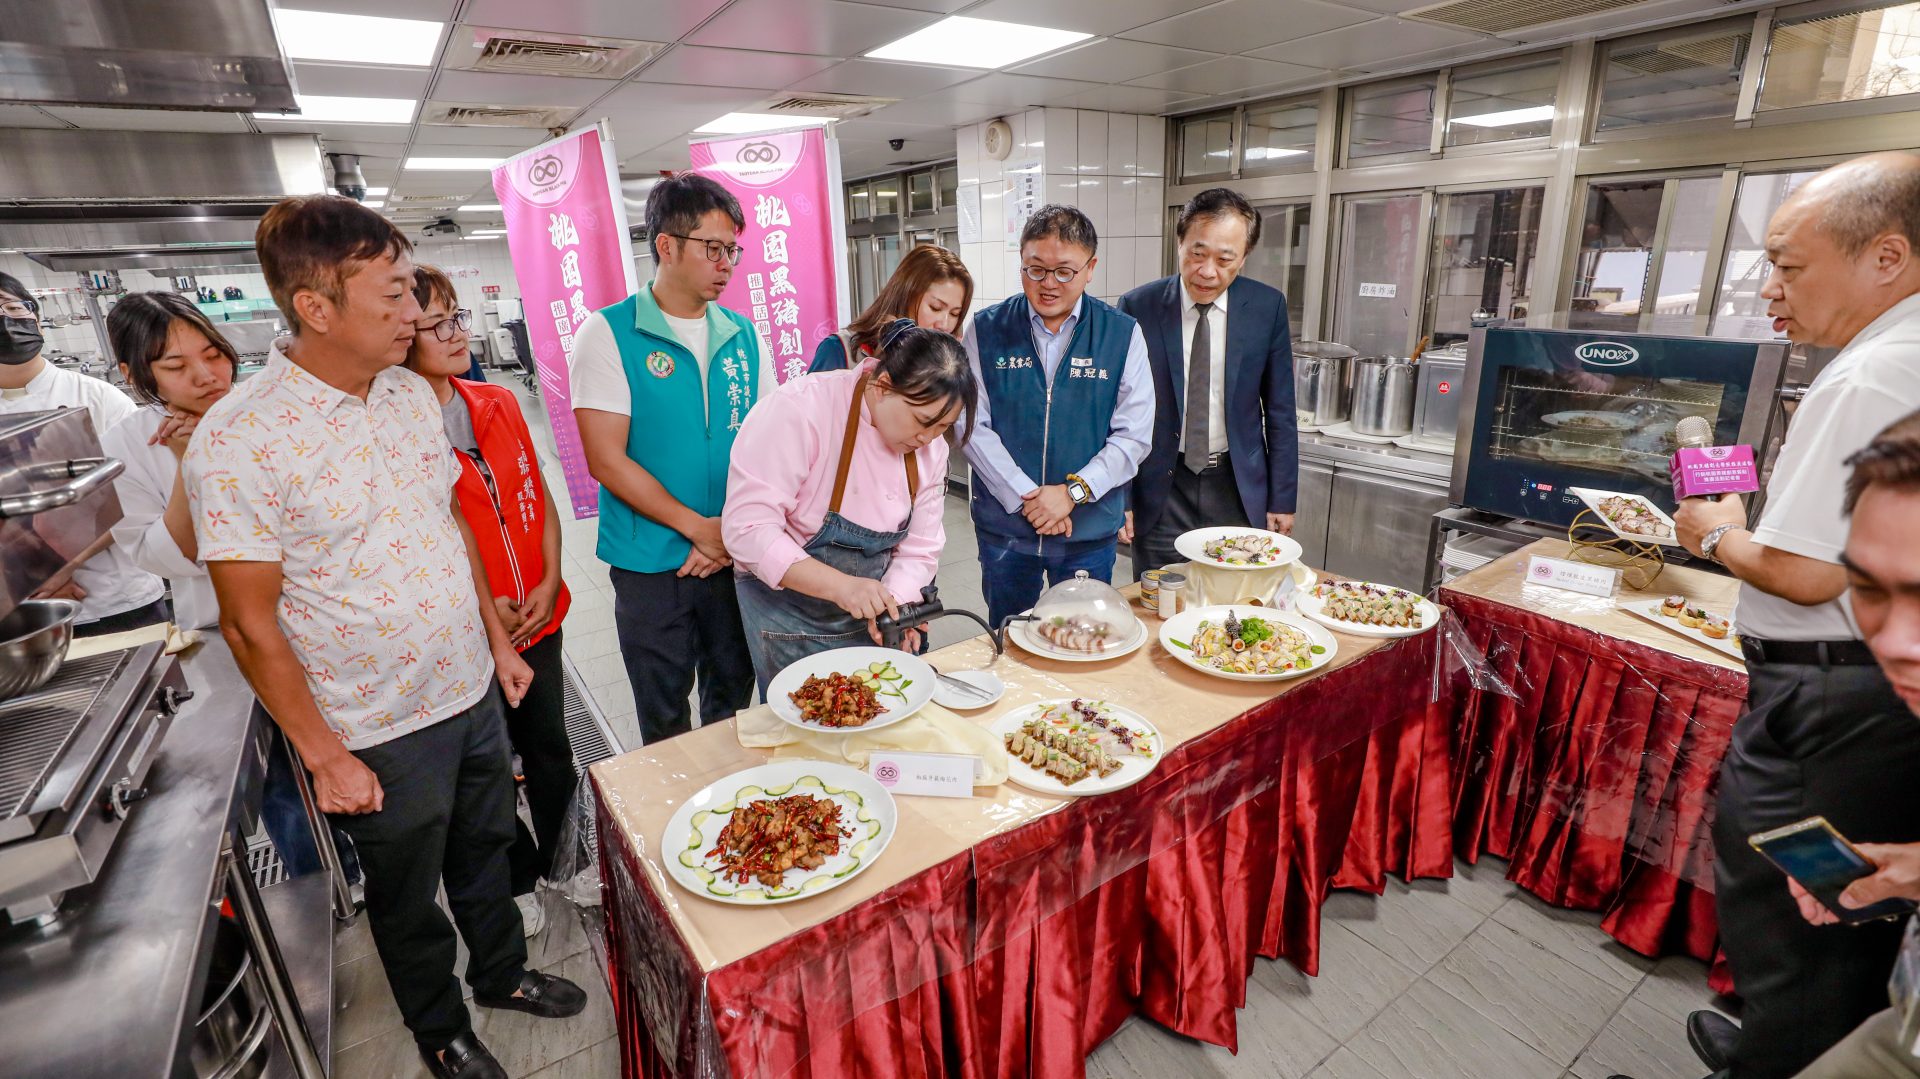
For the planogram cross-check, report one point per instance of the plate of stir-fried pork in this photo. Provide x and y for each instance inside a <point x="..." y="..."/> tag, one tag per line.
<point x="1078" y="746"/>
<point x="861" y="688"/>
<point x="778" y="832"/>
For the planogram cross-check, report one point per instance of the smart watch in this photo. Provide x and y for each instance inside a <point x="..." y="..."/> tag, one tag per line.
<point x="1078" y="490"/>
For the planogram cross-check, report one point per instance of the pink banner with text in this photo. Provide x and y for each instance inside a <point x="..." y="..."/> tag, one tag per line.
<point x="567" y="236"/>
<point x="789" y="280"/>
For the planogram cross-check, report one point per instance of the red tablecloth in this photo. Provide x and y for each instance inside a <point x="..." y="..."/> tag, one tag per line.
<point x="1022" y="955"/>
<point x="1596" y="777"/>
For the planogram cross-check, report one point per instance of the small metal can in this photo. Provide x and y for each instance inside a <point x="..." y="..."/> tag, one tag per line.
<point x="1150" y="589"/>
<point x="1173" y="594"/>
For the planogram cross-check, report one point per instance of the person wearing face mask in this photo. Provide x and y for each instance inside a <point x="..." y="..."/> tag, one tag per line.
<point x="931" y="288"/>
<point x="114" y="594"/>
<point x="505" y="497"/>
<point x="834" y="493"/>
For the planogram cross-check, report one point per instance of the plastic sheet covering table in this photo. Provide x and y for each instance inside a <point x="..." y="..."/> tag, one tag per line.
<point x="1593" y="769"/>
<point x="1009" y="934"/>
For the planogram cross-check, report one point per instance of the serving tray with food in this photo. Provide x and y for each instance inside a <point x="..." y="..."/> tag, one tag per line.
<point x="778" y="832"/>
<point x="1078" y="638"/>
<point x="862" y="688"/>
<point x="1631" y="517"/>
<point x="1250" y="644"/>
<point x="1079" y="746"/>
<point x="1365" y="609"/>
<point x="1681" y="615"/>
<point x="1237" y="548"/>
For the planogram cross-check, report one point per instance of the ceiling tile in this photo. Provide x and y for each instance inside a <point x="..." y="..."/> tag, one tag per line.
<point x="943" y="7"/>
<point x="1226" y="76"/>
<point x="1137" y="99"/>
<point x="644" y="20"/>
<point x="430" y="139"/>
<point x="1114" y="60"/>
<point x="882" y="78"/>
<point x="1090" y="16"/>
<point x="490" y="88"/>
<point x="1244" y="25"/>
<point x="741" y="67"/>
<point x="360" y="80"/>
<point x="941" y="109"/>
<point x="819" y="27"/>
<point x="1365" y="43"/>
<point x="147" y="119"/>
<point x="922" y="142"/>
<point x="1010" y="91"/>
<point x="1385" y="7"/>
<point x="640" y="96"/>
<point x="394" y="135"/>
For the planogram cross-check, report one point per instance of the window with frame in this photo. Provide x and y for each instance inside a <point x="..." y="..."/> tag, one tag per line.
<point x="1502" y="103"/>
<point x="1481" y="266"/>
<point x="1280" y="257"/>
<point x="1741" y="311"/>
<point x="1206" y="147"/>
<point x="946" y="185"/>
<point x="1851" y="55"/>
<point x="1279" y="137"/>
<point x="920" y="192"/>
<point x="859" y="202"/>
<point x="1674" y="76"/>
<point x="886" y="196"/>
<point x="1391" y="118"/>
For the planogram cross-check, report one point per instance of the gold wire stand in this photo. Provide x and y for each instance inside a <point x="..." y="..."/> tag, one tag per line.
<point x="1591" y="541"/>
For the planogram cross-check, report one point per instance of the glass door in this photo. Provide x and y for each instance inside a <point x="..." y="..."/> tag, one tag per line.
<point x="1642" y="257"/>
<point x="1280" y="258"/>
<point x="1482" y="261"/>
<point x="1379" y="274"/>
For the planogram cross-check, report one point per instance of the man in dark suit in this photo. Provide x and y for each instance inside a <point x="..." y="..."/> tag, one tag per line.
<point x="1225" y="446"/>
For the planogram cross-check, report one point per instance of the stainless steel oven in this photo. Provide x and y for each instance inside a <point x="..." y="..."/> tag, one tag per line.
<point x="1551" y="409"/>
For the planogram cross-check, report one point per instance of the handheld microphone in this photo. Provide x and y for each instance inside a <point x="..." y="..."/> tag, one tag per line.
<point x="1701" y="469"/>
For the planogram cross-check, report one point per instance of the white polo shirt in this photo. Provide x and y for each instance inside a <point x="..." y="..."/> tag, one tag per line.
<point x="1874" y="381"/>
<point x="354" y="500"/>
<point x="113" y="583"/>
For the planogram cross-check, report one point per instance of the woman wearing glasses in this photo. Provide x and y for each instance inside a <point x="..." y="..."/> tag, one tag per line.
<point x="113" y="593"/>
<point x="931" y="286"/>
<point x="504" y="497"/>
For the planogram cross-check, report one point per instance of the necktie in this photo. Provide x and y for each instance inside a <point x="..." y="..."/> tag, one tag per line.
<point x="1199" y="390"/>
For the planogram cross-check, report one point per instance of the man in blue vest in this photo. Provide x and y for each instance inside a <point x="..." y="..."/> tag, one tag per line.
<point x="1065" y="416"/>
<point x="661" y="382"/>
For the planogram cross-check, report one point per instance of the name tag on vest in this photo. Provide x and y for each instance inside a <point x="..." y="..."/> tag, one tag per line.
<point x="1082" y="361"/>
<point x="1013" y="363"/>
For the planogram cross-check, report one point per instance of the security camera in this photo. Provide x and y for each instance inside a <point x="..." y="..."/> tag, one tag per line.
<point x="443" y="227"/>
<point x="896" y="144"/>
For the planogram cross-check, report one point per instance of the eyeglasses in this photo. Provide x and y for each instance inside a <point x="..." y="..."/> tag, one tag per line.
<point x="1062" y="274"/>
<point x="448" y="329"/>
<point x="19" y="308"/>
<point x="716" y="249"/>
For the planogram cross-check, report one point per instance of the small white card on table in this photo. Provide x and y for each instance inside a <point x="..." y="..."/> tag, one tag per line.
<point x="1572" y="576"/>
<point x="942" y="775"/>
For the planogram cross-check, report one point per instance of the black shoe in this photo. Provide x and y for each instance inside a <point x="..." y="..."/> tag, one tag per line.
<point x="1712" y="1036"/>
<point x="540" y="994"/>
<point x="465" y="1058"/>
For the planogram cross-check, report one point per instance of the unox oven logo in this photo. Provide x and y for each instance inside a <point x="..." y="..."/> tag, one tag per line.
<point x="1606" y="354"/>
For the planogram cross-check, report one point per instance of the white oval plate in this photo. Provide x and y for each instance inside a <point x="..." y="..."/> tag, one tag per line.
<point x="1181" y="627"/>
<point x="865" y="807"/>
<point x="1132" y="768"/>
<point x="1022" y="634"/>
<point x="1193" y="546"/>
<point x="1315" y="607"/>
<point x="913" y="670"/>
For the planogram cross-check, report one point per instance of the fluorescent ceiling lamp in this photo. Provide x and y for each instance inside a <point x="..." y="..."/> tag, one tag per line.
<point x="357" y="39"/>
<point x="745" y="123"/>
<point x="957" y="41"/>
<point x="318" y="108"/>
<point x="1509" y="118"/>
<point x="453" y="164"/>
<point x="480" y="208"/>
<point x="378" y="192"/>
<point x="375" y="204"/>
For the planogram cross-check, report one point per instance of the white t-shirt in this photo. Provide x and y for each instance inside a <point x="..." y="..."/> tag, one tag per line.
<point x="144" y="489"/>
<point x="112" y="582"/>
<point x="1874" y="381"/>
<point x="599" y="379"/>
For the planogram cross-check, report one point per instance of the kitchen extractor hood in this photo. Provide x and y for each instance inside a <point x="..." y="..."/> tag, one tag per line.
<point x="151" y="54"/>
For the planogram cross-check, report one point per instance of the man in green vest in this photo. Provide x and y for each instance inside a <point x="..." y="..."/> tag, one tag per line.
<point x="661" y="381"/>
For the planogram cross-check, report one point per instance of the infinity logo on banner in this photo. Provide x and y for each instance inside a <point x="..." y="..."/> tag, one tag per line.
<point x="758" y="153"/>
<point x="545" y="170"/>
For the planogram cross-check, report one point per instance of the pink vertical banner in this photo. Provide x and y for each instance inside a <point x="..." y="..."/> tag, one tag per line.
<point x="567" y="235"/>
<point x="790" y="280"/>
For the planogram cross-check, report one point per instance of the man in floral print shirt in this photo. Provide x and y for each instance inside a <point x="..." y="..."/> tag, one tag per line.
<point x="356" y="605"/>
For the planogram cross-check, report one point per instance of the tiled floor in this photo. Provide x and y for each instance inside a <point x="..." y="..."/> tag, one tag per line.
<point x="1459" y="979"/>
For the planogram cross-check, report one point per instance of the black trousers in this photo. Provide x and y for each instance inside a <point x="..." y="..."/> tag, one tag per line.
<point x="448" y="818"/>
<point x="1198" y="500"/>
<point x="538" y="728"/>
<point x="672" y="628"/>
<point x="1835" y="742"/>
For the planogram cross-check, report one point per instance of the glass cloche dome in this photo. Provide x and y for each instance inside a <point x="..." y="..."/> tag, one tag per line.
<point x="1084" y="615"/>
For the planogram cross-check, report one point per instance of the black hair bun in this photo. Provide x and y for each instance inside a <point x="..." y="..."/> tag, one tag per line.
<point x="892" y="333"/>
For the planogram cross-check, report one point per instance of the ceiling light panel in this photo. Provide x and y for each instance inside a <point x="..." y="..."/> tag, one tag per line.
<point x="745" y="123"/>
<point x="321" y="109"/>
<point x="357" y="39"/>
<point x="453" y="164"/>
<point x="480" y="208"/>
<point x="958" y="41"/>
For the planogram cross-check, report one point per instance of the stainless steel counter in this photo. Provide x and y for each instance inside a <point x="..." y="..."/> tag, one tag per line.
<point x="1365" y="509"/>
<point x="107" y="990"/>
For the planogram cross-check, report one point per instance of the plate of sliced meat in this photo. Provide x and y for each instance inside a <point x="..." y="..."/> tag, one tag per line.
<point x="1078" y="746"/>
<point x="1078" y="638"/>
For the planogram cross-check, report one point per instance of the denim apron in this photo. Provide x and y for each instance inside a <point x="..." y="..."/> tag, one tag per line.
<point x="784" y="626"/>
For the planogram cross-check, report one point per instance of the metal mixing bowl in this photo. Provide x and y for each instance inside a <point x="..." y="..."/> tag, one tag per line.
<point x="33" y="643"/>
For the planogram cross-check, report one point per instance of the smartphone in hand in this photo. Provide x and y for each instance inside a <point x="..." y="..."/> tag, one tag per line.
<point x="1820" y="858"/>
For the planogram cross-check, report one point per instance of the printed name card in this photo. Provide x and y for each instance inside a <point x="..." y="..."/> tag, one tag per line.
<point x="941" y="775"/>
<point x="1572" y="576"/>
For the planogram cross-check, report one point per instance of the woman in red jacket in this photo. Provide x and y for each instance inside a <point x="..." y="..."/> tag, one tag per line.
<point x="504" y="498"/>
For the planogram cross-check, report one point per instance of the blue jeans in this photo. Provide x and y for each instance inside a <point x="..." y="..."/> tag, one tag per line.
<point x="1010" y="571"/>
<point x="285" y="817"/>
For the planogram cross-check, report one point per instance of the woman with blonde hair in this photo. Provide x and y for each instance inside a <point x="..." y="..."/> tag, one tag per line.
<point x="931" y="286"/>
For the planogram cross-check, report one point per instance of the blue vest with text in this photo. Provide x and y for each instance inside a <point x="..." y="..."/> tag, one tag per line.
<point x="1051" y="430"/>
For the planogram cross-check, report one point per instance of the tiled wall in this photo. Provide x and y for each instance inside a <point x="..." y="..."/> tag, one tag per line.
<point x="1111" y="165"/>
